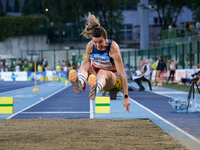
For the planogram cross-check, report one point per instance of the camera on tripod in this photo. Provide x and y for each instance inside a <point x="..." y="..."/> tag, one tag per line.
<point x="196" y="76"/>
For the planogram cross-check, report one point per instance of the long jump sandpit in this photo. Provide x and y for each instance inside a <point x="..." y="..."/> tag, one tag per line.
<point x="84" y="134"/>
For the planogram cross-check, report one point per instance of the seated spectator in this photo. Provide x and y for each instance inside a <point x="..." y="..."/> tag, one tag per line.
<point x="65" y="67"/>
<point x="47" y="68"/>
<point x="58" y="68"/>
<point x="17" y="68"/>
<point x="63" y="63"/>
<point x="144" y="76"/>
<point x="39" y="68"/>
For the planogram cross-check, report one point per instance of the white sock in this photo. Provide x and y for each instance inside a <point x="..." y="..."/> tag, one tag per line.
<point x="99" y="86"/>
<point x="81" y="78"/>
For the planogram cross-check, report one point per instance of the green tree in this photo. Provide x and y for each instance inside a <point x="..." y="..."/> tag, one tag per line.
<point x="107" y="11"/>
<point x="195" y="7"/>
<point x="2" y="12"/>
<point x="54" y="10"/>
<point x="33" y="7"/>
<point x="74" y="11"/>
<point x="168" y="10"/>
<point x="110" y="16"/>
<point x="16" y="6"/>
<point x="1" y="6"/>
<point x="8" y="8"/>
<point x="27" y="9"/>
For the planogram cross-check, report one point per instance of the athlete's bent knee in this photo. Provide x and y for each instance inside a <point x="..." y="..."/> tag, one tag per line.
<point x="85" y="62"/>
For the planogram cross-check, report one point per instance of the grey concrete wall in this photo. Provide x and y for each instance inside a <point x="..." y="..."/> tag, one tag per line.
<point x="14" y="46"/>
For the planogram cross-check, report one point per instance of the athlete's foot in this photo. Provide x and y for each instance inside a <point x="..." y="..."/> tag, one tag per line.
<point x="154" y="83"/>
<point x="73" y="77"/>
<point x="92" y="81"/>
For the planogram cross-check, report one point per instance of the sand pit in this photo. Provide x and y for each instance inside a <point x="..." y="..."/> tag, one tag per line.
<point x="83" y="134"/>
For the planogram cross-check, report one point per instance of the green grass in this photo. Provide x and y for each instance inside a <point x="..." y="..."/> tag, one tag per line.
<point x="177" y="87"/>
<point x="174" y="86"/>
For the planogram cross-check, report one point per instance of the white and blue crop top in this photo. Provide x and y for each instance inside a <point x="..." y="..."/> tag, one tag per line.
<point x="101" y="57"/>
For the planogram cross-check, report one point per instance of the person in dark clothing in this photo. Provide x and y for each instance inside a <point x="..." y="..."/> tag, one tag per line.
<point x="160" y="68"/>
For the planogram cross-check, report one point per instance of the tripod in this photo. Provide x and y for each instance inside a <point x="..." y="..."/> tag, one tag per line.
<point x="193" y="83"/>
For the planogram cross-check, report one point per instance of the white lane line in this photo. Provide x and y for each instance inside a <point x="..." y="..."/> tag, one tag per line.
<point x="160" y="94"/>
<point x="91" y="109"/>
<point x="61" y="112"/>
<point x="170" y="92"/>
<point x="177" y="128"/>
<point x="36" y="103"/>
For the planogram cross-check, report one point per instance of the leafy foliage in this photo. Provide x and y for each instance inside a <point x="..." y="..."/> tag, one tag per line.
<point x="18" y="26"/>
<point x="118" y="86"/>
<point x="168" y="10"/>
<point x="195" y="7"/>
<point x="8" y="8"/>
<point x="2" y="13"/>
<point x="16" y="6"/>
<point x="74" y="11"/>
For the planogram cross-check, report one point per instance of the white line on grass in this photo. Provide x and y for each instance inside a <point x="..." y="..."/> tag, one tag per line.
<point x="177" y="128"/>
<point x="36" y="103"/>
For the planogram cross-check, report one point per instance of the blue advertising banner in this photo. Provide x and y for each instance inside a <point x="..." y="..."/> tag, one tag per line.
<point x="39" y="76"/>
<point x="47" y="76"/>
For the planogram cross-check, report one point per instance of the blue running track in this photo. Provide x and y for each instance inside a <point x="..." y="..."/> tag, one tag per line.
<point x="55" y="100"/>
<point x="6" y="86"/>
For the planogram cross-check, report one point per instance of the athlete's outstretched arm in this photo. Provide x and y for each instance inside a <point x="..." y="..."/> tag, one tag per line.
<point x="115" y="54"/>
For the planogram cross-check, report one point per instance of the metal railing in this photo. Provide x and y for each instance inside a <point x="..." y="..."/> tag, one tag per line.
<point x="178" y="32"/>
<point x="187" y="54"/>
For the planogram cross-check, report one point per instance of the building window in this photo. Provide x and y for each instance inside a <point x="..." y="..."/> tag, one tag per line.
<point x="129" y="27"/>
<point x="129" y="35"/>
<point x="161" y="20"/>
<point x="126" y="32"/>
<point x="158" y="21"/>
<point x="155" y="20"/>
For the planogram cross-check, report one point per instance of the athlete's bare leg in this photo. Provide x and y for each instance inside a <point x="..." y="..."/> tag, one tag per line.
<point x="107" y="78"/>
<point x="86" y="69"/>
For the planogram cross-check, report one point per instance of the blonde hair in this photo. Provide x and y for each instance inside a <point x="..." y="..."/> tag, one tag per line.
<point x="93" y="22"/>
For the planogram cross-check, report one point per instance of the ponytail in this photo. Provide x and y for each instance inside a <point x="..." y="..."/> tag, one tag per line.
<point x="93" y="22"/>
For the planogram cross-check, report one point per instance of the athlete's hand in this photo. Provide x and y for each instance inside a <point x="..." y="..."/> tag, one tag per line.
<point x="84" y="87"/>
<point x="126" y="104"/>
